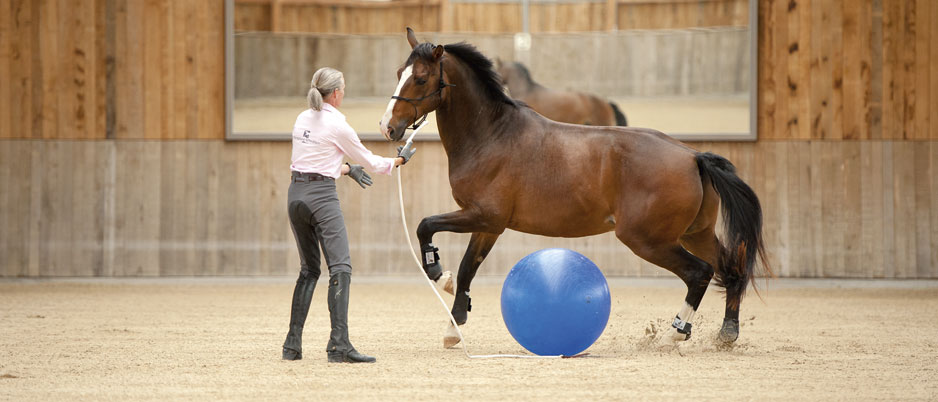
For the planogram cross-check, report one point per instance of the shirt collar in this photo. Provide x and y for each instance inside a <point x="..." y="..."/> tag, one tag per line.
<point x="332" y="109"/>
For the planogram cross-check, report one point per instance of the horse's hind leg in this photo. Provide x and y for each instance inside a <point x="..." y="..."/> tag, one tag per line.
<point x="707" y="247"/>
<point x="694" y="271"/>
<point x="479" y="246"/>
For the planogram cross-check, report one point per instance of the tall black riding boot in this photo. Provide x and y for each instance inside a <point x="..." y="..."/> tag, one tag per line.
<point x="340" y="349"/>
<point x="302" y="294"/>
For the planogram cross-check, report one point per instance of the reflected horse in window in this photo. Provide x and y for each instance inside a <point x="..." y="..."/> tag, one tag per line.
<point x="563" y="106"/>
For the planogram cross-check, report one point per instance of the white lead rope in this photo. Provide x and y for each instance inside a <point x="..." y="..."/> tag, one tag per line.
<point x="462" y="341"/>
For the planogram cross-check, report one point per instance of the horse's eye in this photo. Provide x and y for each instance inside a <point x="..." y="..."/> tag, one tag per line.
<point x="420" y="81"/>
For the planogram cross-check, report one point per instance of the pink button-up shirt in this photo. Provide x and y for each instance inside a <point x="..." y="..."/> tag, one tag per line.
<point x="321" y="139"/>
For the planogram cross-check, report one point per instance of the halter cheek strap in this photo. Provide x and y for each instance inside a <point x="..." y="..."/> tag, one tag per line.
<point x="413" y="101"/>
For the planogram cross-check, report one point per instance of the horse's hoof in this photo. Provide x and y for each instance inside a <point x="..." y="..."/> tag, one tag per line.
<point x="730" y="331"/>
<point x="290" y="354"/>
<point x="446" y="282"/>
<point x="451" y="338"/>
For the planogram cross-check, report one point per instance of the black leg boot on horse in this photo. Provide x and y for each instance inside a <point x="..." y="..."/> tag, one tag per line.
<point x="434" y="270"/>
<point x="340" y="349"/>
<point x="302" y="295"/>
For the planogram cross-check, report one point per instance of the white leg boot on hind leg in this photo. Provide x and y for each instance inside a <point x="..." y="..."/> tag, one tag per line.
<point x="681" y="326"/>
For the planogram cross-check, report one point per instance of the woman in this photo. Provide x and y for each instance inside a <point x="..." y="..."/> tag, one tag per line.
<point x="321" y="138"/>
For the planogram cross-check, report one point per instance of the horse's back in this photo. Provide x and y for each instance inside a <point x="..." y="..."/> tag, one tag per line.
<point x="600" y="110"/>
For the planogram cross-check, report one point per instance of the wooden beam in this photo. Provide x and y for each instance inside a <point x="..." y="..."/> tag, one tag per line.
<point x="276" y="10"/>
<point x="612" y="15"/>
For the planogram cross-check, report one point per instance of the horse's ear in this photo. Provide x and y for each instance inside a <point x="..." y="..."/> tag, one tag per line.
<point x="411" y="38"/>
<point x="437" y="52"/>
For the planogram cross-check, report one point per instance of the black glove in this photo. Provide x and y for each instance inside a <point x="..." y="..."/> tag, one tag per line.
<point x="357" y="173"/>
<point x="406" y="152"/>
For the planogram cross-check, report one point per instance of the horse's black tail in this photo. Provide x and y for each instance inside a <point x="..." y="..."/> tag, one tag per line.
<point x="620" y="118"/>
<point x="742" y="221"/>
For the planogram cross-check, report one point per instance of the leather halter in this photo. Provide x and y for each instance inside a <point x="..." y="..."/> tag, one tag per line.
<point x="413" y="101"/>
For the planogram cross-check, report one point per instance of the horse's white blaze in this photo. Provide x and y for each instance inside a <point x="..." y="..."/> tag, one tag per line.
<point x="397" y="92"/>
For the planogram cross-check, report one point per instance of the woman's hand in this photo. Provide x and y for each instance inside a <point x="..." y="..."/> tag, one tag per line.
<point x="358" y="173"/>
<point x="406" y="152"/>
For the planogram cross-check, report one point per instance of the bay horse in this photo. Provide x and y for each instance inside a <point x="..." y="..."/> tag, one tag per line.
<point x="563" y="106"/>
<point x="511" y="168"/>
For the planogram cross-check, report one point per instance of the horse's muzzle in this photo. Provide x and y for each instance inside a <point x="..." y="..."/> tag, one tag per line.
<point x="395" y="133"/>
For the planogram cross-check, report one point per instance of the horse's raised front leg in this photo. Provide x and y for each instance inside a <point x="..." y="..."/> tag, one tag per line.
<point x="462" y="221"/>
<point x="485" y="232"/>
<point x="479" y="246"/>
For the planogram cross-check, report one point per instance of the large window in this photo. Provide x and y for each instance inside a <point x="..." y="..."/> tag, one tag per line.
<point x="692" y="82"/>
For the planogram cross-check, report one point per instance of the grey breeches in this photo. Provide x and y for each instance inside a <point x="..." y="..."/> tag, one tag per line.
<point x="313" y="207"/>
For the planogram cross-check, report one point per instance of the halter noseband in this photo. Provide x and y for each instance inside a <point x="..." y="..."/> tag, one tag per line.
<point x="413" y="101"/>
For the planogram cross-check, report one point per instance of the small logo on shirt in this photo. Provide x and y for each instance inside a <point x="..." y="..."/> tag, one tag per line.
<point x="306" y="134"/>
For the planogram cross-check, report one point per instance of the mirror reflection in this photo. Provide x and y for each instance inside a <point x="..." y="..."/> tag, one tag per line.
<point x="682" y="67"/>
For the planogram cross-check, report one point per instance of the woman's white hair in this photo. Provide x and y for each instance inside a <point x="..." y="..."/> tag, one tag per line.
<point x="325" y="80"/>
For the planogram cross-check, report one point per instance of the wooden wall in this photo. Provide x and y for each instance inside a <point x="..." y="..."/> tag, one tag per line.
<point x="846" y="164"/>
<point x="859" y="209"/>
<point x="367" y="17"/>
<point x="122" y="69"/>
<point x="853" y="70"/>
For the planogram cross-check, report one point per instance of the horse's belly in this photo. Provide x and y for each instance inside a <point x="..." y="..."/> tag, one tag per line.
<point x="566" y="225"/>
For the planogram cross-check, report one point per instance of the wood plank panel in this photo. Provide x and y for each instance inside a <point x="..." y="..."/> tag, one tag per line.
<point x="137" y="209"/>
<point x="922" y="95"/>
<point x="876" y="70"/>
<point x="210" y="62"/>
<point x="851" y="217"/>
<point x="933" y="208"/>
<point x="6" y="64"/>
<point x="922" y="211"/>
<point x="89" y="166"/>
<point x="783" y="58"/>
<point x="129" y="70"/>
<point x="904" y="207"/>
<point x="836" y="59"/>
<point x="893" y="76"/>
<point x="153" y="20"/>
<point x="932" y="109"/>
<point x="172" y="202"/>
<point x="872" y="217"/>
<point x="22" y="38"/>
<point x="56" y="226"/>
<point x="856" y="71"/>
<point x="832" y="208"/>
<point x="144" y="208"/>
<point x="47" y="83"/>
<point x="888" y="238"/>
<point x="820" y="70"/>
<point x="178" y="71"/>
<point x="14" y="208"/>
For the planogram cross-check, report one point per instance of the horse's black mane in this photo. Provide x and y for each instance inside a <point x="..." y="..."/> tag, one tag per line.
<point x="480" y="65"/>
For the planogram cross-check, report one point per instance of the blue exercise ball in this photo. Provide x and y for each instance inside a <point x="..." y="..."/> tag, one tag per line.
<point x="555" y="302"/>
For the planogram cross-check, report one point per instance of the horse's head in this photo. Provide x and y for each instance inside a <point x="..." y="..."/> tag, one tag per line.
<point x="420" y="88"/>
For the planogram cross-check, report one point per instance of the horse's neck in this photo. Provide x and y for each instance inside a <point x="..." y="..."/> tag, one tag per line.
<point x="468" y="119"/>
